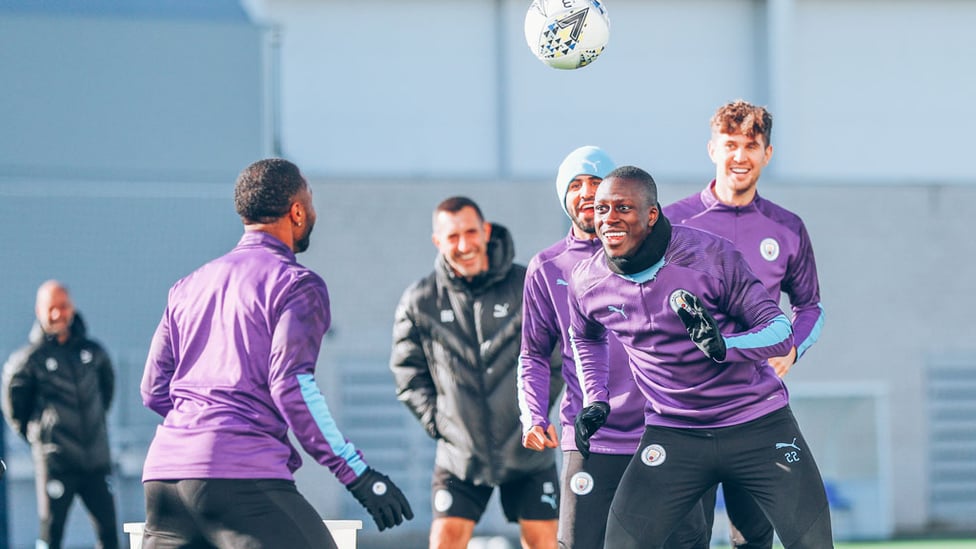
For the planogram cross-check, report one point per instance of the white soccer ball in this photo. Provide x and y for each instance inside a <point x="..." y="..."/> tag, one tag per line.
<point x="567" y="34"/>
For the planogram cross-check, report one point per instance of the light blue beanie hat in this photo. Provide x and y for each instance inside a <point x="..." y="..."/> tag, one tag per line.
<point x="588" y="160"/>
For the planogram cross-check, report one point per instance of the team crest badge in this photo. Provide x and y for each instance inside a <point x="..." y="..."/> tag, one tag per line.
<point x="86" y="356"/>
<point x="653" y="455"/>
<point x="769" y="248"/>
<point x="51" y="364"/>
<point x="581" y="483"/>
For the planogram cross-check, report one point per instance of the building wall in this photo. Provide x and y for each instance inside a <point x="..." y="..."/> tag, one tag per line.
<point x="445" y="89"/>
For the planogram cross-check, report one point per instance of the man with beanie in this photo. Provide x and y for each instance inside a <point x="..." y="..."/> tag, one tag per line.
<point x="56" y="395"/>
<point x="231" y="369"/>
<point x="775" y="243"/>
<point x="592" y="472"/>
<point x="698" y="327"/>
<point x="455" y="355"/>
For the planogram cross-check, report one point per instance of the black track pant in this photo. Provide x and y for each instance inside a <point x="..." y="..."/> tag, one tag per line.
<point x="231" y="514"/>
<point x="587" y="489"/>
<point x="745" y="517"/>
<point x="56" y="492"/>
<point x="673" y="468"/>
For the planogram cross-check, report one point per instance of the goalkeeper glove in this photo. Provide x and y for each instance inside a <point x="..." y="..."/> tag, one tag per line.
<point x="588" y="421"/>
<point x="700" y="325"/>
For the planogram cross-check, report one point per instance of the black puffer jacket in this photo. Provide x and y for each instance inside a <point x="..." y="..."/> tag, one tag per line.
<point x="455" y="362"/>
<point x="57" y="396"/>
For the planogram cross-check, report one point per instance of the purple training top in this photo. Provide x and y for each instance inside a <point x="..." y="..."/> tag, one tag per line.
<point x="231" y="369"/>
<point x="545" y="318"/>
<point x="776" y="245"/>
<point x="683" y="386"/>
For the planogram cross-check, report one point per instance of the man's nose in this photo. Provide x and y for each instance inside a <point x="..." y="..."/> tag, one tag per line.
<point x="589" y="190"/>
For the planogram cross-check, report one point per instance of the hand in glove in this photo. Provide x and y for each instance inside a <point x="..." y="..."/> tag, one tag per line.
<point x="700" y="325"/>
<point x="384" y="501"/>
<point x="588" y="421"/>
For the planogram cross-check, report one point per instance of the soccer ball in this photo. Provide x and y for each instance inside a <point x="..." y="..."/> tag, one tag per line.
<point x="567" y="34"/>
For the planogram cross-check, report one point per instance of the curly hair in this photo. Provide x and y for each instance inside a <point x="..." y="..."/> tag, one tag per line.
<point x="743" y="117"/>
<point x="265" y="190"/>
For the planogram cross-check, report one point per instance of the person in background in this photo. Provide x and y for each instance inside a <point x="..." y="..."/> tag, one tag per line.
<point x="775" y="244"/>
<point x="231" y="369"/>
<point x="455" y="353"/>
<point x="56" y="394"/>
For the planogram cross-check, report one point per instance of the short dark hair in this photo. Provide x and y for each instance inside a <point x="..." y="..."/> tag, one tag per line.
<point x="265" y="190"/>
<point x="633" y="173"/>
<point x="455" y="204"/>
<point x="743" y="117"/>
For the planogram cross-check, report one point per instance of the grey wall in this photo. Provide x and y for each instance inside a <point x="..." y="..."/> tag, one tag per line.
<point x="134" y="99"/>
<point x="862" y="91"/>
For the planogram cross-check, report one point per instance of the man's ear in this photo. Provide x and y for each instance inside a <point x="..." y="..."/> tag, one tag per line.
<point x="487" y="231"/>
<point x="297" y="213"/>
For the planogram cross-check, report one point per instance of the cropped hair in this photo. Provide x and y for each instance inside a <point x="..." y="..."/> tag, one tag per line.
<point x="745" y="118"/>
<point x="266" y="189"/>
<point x="455" y="204"/>
<point x="633" y="173"/>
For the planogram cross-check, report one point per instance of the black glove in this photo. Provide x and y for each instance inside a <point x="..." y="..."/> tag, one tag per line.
<point x="588" y="421"/>
<point x="700" y="325"/>
<point x="384" y="501"/>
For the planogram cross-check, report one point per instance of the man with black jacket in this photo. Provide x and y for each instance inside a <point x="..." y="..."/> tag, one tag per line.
<point x="456" y="342"/>
<point x="56" y="394"/>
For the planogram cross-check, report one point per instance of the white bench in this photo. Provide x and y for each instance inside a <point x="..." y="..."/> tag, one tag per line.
<point x="344" y="532"/>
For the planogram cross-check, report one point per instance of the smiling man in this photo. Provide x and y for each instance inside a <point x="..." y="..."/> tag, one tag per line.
<point x="56" y="395"/>
<point x="590" y="474"/>
<point x="775" y="244"/>
<point x="697" y="326"/>
<point x="455" y="349"/>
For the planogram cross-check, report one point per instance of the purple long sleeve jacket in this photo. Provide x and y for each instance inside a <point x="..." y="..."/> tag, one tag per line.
<point x="545" y="320"/>
<point x="776" y="245"/>
<point x="231" y="369"/>
<point x="684" y="388"/>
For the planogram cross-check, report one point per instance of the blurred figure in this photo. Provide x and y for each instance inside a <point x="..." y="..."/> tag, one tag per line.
<point x="455" y="354"/>
<point x="56" y="394"/>
<point x="231" y="369"/>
